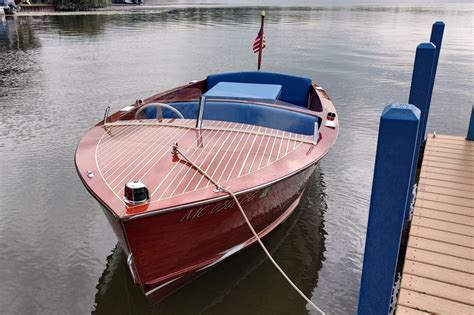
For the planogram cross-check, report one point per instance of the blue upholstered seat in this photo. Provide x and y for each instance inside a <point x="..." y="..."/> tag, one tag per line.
<point x="295" y="90"/>
<point x="264" y="116"/>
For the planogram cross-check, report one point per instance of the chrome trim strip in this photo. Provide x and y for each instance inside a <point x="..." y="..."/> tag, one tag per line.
<point x="202" y="102"/>
<point x="228" y="253"/>
<point x="130" y="267"/>
<point x="316" y="133"/>
<point x="161" y="286"/>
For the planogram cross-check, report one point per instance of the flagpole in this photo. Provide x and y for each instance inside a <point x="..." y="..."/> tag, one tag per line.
<point x="260" y="46"/>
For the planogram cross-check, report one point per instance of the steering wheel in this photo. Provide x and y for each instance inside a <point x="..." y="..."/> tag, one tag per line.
<point x="171" y="108"/>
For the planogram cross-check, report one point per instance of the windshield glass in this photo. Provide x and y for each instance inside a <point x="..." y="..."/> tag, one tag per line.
<point x="230" y="113"/>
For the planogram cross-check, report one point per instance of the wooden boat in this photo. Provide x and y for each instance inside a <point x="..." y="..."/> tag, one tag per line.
<point x="258" y="134"/>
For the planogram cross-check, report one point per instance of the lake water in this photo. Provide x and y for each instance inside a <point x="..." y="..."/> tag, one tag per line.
<point x="58" y="254"/>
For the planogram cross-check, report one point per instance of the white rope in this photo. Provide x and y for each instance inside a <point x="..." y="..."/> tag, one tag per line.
<point x="176" y="151"/>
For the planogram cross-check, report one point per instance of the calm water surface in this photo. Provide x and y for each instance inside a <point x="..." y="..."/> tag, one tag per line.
<point x="58" y="74"/>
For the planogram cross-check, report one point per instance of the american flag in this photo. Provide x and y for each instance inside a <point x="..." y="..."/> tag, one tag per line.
<point x="256" y="43"/>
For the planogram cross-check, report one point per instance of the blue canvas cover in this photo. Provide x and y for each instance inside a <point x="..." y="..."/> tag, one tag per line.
<point x="295" y="90"/>
<point x="235" y="90"/>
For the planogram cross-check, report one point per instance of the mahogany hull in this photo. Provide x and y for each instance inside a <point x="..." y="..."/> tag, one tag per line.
<point x="186" y="226"/>
<point x="170" y="249"/>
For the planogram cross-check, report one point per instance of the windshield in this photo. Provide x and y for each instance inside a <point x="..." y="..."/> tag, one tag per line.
<point x="231" y="112"/>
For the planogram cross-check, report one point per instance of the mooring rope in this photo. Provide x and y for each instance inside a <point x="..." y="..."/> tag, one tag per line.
<point x="219" y="187"/>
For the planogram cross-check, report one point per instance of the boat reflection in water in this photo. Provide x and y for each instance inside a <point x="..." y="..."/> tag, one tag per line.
<point x="247" y="278"/>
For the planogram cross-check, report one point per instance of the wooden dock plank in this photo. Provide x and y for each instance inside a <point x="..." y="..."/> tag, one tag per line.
<point x="458" y="142"/>
<point x="446" y="154"/>
<point x="445" y="216"/>
<point x="446" y="199"/>
<point x="459" y="153"/>
<point x="446" y="191"/>
<point x="441" y="170"/>
<point x="424" y="173"/>
<point x="441" y="247"/>
<point x="441" y="260"/>
<point x="428" y="204"/>
<point x="443" y="226"/>
<point x="402" y="310"/>
<point x="442" y="236"/>
<point x="445" y="184"/>
<point x="449" y="137"/>
<point x="447" y="160"/>
<point x="450" y="145"/>
<point x="439" y="289"/>
<point x="439" y="273"/>
<point x="449" y="166"/>
<point x="433" y="304"/>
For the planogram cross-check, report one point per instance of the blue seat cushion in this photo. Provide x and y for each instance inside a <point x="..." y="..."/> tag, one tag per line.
<point x="295" y="90"/>
<point x="245" y="113"/>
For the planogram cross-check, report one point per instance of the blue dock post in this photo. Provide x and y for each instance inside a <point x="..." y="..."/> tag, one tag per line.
<point x="470" y="129"/>
<point x="421" y="83"/>
<point x="396" y="148"/>
<point x="420" y="96"/>
<point x="436" y="38"/>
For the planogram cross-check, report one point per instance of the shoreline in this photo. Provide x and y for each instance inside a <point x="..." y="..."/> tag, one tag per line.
<point x="124" y="9"/>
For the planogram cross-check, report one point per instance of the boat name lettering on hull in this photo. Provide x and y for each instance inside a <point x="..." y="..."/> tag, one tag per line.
<point x="217" y="207"/>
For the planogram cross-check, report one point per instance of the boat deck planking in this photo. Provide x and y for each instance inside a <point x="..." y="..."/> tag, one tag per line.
<point x="228" y="151"/>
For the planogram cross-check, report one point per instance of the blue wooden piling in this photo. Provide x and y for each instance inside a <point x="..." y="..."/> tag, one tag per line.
<point x="436" y="38"/>
<point x="421" y="83"/>
<point x="396" y="145"/>
<point x="470" y="129"/>
<point x="420" y="94"/>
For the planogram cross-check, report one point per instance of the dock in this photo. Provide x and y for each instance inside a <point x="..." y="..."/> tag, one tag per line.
<point x="438" y="272"/>
<point x="419" y="248"/>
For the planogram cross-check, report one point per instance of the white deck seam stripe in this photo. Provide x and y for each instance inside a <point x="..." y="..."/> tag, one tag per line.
<point x="111" y="164"/>
<point x="187" y="168"/>
<point x="232" y="154"/>
<point x="137" y="153"/>
<point x="248" y="153"/>
<point x="155" y="149"/>
<point x="199" y="138"/>
<point x="209" y="150"/>
<point x="236" y="134"/>
<point x="238" y="156"/>
<point x="213" y="158"/>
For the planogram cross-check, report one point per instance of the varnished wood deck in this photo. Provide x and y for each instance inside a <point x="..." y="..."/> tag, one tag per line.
<point x="438" y="274"/>
<point x="139" y="150"/>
